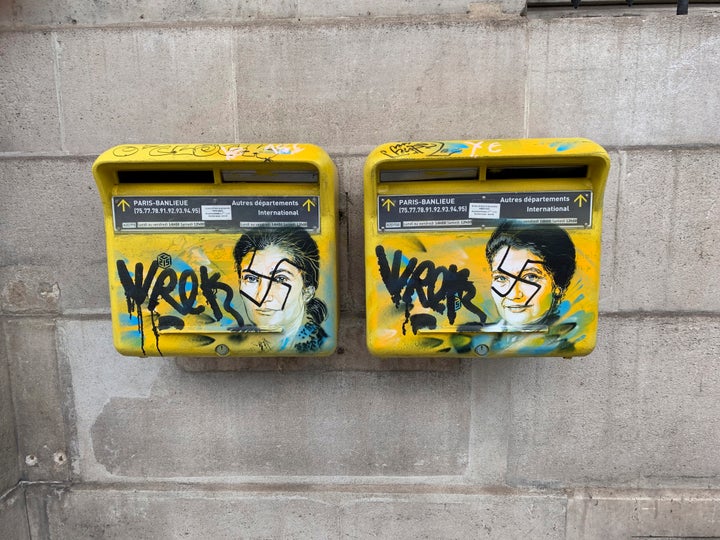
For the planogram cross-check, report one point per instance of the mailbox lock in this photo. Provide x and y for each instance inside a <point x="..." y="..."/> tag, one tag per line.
<point x="482" y="350"/>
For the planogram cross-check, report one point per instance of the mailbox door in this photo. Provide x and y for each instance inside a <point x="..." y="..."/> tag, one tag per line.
<point x="484" y="248"/>
<point x="221" y="249"/>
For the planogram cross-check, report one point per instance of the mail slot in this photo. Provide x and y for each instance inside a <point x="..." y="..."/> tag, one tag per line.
<point x="220" y="249"/>
<point x="484" y="248"/>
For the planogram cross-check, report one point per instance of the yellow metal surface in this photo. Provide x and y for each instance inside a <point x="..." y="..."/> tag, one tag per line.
<point x="483" y="248"/>
<point x="220" y="249"/>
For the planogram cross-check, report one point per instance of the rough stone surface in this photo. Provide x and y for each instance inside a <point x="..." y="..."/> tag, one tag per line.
<point x="144" y="85"/>
<point x="80" y="513"/>
<point x="53" y="242"/>
<point x="491" y="420"/>
<point x="410" y="88"/>
<point x="445" y="516"/>
<point x="9" y="469"/>
<point x="37" y="398"/>
<point x="84" y="12"/>
<point x="644" y="516"/>
<point x="13" y="516"/>
<point x="248" y="434"/>
<point x="666" y="213"/>
<point x="638" y="412"/>
<point x="29" y="110"/>
<point x="624" y="81"/>
<point x="330" y="87"/>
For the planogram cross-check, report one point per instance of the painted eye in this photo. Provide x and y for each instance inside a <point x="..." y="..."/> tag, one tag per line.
<point x="250" y="278"/>
<point x="500" y="279"/>
<point x="533" y="277"/>
<point x="281" y="279"/>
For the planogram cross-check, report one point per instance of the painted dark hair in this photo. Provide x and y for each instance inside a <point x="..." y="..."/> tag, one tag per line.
<point x="302" y="252"/>
<point x="549" y="242"/>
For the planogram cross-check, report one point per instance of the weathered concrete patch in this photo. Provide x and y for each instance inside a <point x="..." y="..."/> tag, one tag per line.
<point x="665" y="267"/>
<point x="481" y="516"/>
<point x="83" y="12"/>
<point x="193" y="513"/>
<point x="38" y="398"/>
<point x="628" y="90"/>
<point x="29" y="112"/>
<point x="52" y="247"/>
<point x="98" y="374"/>
<point x="155" y="83"/>
<point x="644" y="516"/>
<point x="289" y="424"/>
<point x="9" y="470"/>
<point x="641" y="411"/>
<point x="13" y="516"/>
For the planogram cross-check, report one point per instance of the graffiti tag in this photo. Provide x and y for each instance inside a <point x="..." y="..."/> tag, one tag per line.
<point x="180" y="292"/>
<point x="445" y="290"/>
<point x="263" y="152"/>
<point x="439" y="148"/>
<point x="422" y="149"/>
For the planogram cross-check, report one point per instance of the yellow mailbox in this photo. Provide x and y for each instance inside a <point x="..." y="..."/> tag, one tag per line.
<point x="484" y="248"/>
<point x="220" y="249"/>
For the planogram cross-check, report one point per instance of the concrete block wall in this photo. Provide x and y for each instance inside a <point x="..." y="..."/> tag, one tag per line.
<point x="621" y="443"/>
<point x="13" y="523"/>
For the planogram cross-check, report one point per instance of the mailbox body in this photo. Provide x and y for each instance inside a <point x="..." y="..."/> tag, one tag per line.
<point x="483" y="248"/>
<point x="220" y="249"/>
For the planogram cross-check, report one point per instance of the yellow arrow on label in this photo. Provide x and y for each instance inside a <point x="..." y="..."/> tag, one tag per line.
<point x="309" y="204"/>
<point x="123" y="205"/>
<point x="580" y="199"/>
<point x="387" y="203"/>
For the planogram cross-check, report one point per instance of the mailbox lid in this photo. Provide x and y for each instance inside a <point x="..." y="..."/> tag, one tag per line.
<point x="431" y="209"/>
<point x="202" y="238"/>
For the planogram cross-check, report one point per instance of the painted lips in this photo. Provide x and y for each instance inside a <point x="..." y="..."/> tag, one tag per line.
<point x="517" y="308"/>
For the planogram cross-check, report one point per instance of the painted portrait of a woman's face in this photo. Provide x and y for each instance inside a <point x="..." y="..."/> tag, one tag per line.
<point x="278" y="272"/>
<point x="531" y="268"/>
<point x="272" y="289"/>
<point x="522" y="288"/>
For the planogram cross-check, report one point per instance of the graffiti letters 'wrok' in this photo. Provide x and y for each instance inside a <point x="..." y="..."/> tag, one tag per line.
<point x="435" y="287"/>
<point x="155" y="287"/>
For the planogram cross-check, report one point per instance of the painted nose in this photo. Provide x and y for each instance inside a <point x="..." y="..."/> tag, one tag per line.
<point x="259" y="292"/>
<point x="516" y="292"/>
<point x="270" y="291"/>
